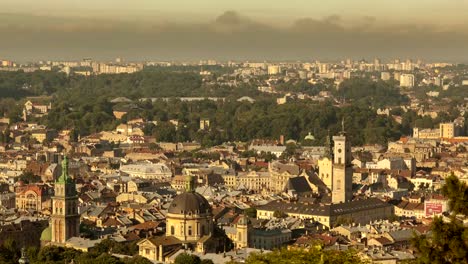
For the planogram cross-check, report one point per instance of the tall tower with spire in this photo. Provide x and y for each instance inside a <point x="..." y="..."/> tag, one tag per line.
<point x="65" y="220"/>
<point x="342" y="184"/>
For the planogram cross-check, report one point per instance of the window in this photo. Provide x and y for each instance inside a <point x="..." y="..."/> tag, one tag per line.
<point x="147" y="251"/>
<point x="202" y="230"/>
<point x="190" y="230"/>
<point x="338" y="185"/>
<point x="172" y="230"/>
<point x="339" y="160"/>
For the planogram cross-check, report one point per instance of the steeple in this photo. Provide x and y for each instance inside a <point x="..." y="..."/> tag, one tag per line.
<point x="64" y="178"/>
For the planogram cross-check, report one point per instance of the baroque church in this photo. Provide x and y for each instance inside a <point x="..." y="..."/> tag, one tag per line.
<point x="189" y="225"/>
<point x="65" y="219"/>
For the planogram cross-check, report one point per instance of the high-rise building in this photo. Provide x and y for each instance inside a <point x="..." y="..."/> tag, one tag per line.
<point x="65" y="220"/>
<point x="407" y="80"/>
<point x="447" y="130"/>
<point x="342" y="187"/>
<point x="274" y="69"/>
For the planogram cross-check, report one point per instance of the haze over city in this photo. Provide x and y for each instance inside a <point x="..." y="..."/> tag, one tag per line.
<point x="258" y="30"/>
<point x="233" y="132"/>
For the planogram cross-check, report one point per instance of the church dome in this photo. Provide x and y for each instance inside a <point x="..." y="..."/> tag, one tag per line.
<point x="189" y="202"/>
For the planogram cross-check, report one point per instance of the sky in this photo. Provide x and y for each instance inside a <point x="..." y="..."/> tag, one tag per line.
<point x="241" y="29"/>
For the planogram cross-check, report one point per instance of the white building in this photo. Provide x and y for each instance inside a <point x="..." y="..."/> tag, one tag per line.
<point x="158" y="171"/>
<point x="407" y="80"/>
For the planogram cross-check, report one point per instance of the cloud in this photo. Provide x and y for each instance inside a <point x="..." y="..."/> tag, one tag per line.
<point x="228" y="36"/>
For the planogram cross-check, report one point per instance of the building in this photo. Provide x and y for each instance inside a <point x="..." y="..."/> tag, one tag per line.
<point x="189" y="224"/>
<point x="342" y="184"/>
<point x="280" y="174"/>
<point x="35" y="197"/>
<point x="325" y="166"/>
<point x="204" y="124"/>
<point x="329" y="215"/>
<point x="407" y="80"/>
<point x="274" y="69"/>
<point x="447" y="130"/>
<point x="158" y="171"/>
<point x="65" y="219"/>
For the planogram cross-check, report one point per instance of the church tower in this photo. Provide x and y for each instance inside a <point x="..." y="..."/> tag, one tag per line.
<point x="242" y="236"/>
<point x="65" y="220"/>
<point x="342" y="189"/>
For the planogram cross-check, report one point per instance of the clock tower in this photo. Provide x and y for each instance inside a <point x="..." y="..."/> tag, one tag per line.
<point x="65" y="220"/>
<point x="342" y="184"/>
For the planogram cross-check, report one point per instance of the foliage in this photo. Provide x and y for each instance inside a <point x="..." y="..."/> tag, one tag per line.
<point x="448" y="241"/>
<point x="251" y="212"/>
<point x="279" y="214"/>
<point x="457" y="193"/>
<point x="302" y="256"/>
<point x="29" y="177"/>
<point x="83" y="104"/>
<point x="185" y="258"/>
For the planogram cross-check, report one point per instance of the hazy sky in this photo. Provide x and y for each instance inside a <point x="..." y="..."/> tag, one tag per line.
<point x="242" y="29"/>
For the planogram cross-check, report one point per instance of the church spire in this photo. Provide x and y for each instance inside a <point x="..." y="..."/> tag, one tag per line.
<point x="64" y="178"/>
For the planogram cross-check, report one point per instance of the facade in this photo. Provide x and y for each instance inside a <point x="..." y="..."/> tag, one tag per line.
<point x="326" y="171"/>
<point x="157" y="171"/>
<point x="189" y="224"/>
<point x="65" y="219"/>
<point x="447" y="130"/>
<point x="342" y="186"/>
<point x="204" y="124"/>
<point x="280" y="174"/>
<point x="34" y="197"/>
<point x="360" y="211"/>
<point x="407" y="80"/>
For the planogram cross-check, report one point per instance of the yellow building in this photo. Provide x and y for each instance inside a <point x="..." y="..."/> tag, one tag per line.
<point x="189" y="224"/>
<point x="326" y="171"/>
<point x="447" y="130"/>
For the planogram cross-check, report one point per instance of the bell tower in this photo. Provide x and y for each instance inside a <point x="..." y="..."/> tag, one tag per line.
<point x="65" y="220"/>
<point x="342" y="185"/>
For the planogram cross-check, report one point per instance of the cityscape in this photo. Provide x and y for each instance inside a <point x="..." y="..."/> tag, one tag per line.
<point x="251" y="154"/>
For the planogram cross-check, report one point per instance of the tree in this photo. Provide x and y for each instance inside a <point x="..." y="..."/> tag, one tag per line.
<point x="29" y="177"/>
<point x="448" y="242"/>
<point x="206" y="261"/>
<point x="251" y="212"/>
<point x="457" y="194"/>
<point x="303" y="256"/>
<point x="279" y="214"/>
<point x="185" y="258"/>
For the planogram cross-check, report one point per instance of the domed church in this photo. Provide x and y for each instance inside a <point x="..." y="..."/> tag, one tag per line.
<point x="189" y="216"/>
<point x="189" y="225"/>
